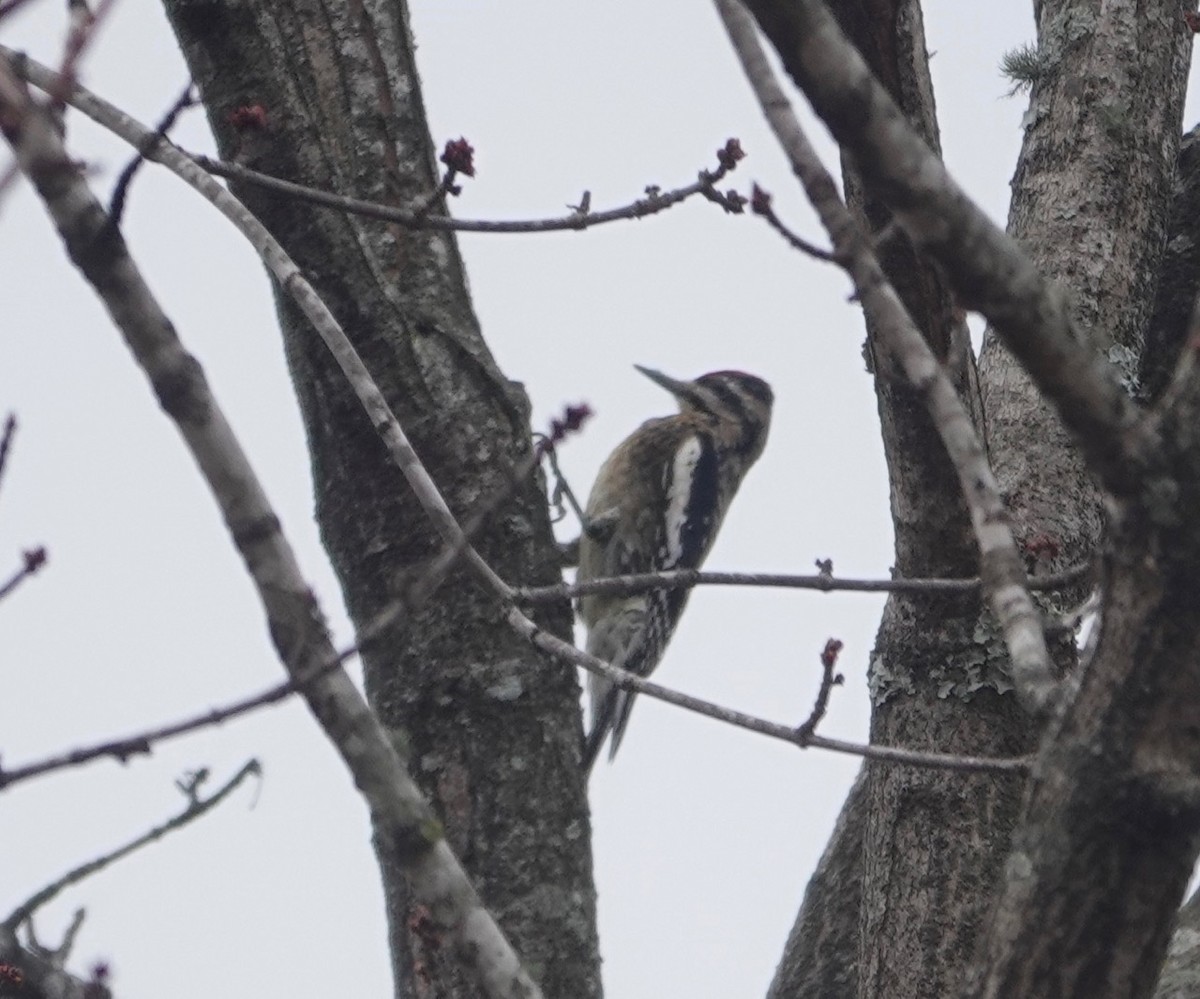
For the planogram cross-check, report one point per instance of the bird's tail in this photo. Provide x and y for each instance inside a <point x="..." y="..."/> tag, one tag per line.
<point x="611" y="714"/>
<point x="621" y="643"/>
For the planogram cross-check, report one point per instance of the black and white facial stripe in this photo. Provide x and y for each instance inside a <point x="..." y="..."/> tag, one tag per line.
<point x="737" y="401"/>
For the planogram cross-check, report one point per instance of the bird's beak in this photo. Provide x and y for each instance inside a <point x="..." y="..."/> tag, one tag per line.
<point x="672" y="385"/>
<point x="685" y="393"/>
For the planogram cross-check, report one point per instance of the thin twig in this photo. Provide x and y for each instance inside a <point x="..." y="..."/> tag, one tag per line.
<point x="116" y="203"/>
<point x="459" y="157"/>
<point x="432" y="575"/>
<point x="627" y="586"/>
<point x="31" y="561"/>
<point x="58" y="955"/>
<point x="293" y="282"/>
<point x="654" y="202"/>
<point x="196" y="807"/>
<point x="434" y="572"/>
<point x="829" y="680"/>
<point x="760" y="204"/>
<point x="62" y="953"/>
<point x="426" y="490"/>
<point x="85" y="23"/>
<point x="123" y="749"/>
<point x="786" y="733"/>
<point x="7" y="435"/>
<point x="987" y="269"/>
<point x="82" y="29"/>
<point x="8" y="7"/>
<point x="1003" y="571"/>
<point x="142" y="743"/>
<point x="405" y="828"/>
<point x="563" y="491"/>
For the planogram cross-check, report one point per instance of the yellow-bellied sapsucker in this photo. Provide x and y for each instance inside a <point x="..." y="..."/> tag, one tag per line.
<point x="657" y="505"/>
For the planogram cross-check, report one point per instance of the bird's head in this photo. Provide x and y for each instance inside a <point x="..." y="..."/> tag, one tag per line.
<point x="736" y="404"/>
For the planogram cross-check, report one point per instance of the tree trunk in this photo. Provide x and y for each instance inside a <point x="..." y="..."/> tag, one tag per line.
<point x="1093" y="177"/>
<point x="1181" y="974"/>
<point x="820" y="959"/>
<point x="328" y="96"/>
<point x="1091" y="196"/>
<point x="923" y="895"/>
<point x="1178" y="275"/>
<point x="1106" y="846"/>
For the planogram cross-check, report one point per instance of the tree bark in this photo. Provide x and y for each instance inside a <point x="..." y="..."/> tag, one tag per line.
<point x="1107" y="842"/>
<point x="1174" y="308"/>
<point x="1091" y="195"/>
<point x="820" y="959"/>
<point x="933" y="660"/>
<point x="1178" y="275"/>
<point x="328" y="95"/>
<point x="1181" y="974"/>
<point x="1127" y="60"/>
<point x="1112" y="825"/>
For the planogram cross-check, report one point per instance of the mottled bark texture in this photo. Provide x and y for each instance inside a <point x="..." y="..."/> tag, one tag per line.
<point x="328" y="95"/>
<point x="1111" y="828"/>
<point x="1178" y="276"/>
<point x="1091" y="198"/>
<point x="933" y="531"/>
<point x="934" y="664"/>
<point x="1174" y="308"/>
<point x="1181" y="974"/>
<point x="933" y="841"/>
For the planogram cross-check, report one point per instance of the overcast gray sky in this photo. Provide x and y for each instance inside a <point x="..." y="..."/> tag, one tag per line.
<point x="704" y="836"/>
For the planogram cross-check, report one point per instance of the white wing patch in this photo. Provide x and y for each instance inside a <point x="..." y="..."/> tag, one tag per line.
<point x="679" y="492"/>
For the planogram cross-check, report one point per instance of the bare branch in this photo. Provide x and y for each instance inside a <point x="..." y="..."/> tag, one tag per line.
<point x="631" y="681"/>
<point x="1003" y="572"/>
<point x="122" y="749"/>
<point x="404" y="825"/>
<point x="760" y="204"/>
<point x="678" y="579"/>
<point x="655" y="201"/>
<point x="433" y="502"/>
<point x="62" y="953"/>
<point x="116" y="203"/>
<point x="31" y="561"/>
<point x="143" y="742"/>
<point x="563" y="493"/>
<point x="293" y="282"/>
<point x="6" y="438"/>
<point x="8" y="7"/>
<point x="196" y="807"/>
<point x="829" y="680"/>
<point x="427" y="492"/>
<point x="84" y="25"/>
<point x="987" y="269"/>
<point x="393" y="435"/>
